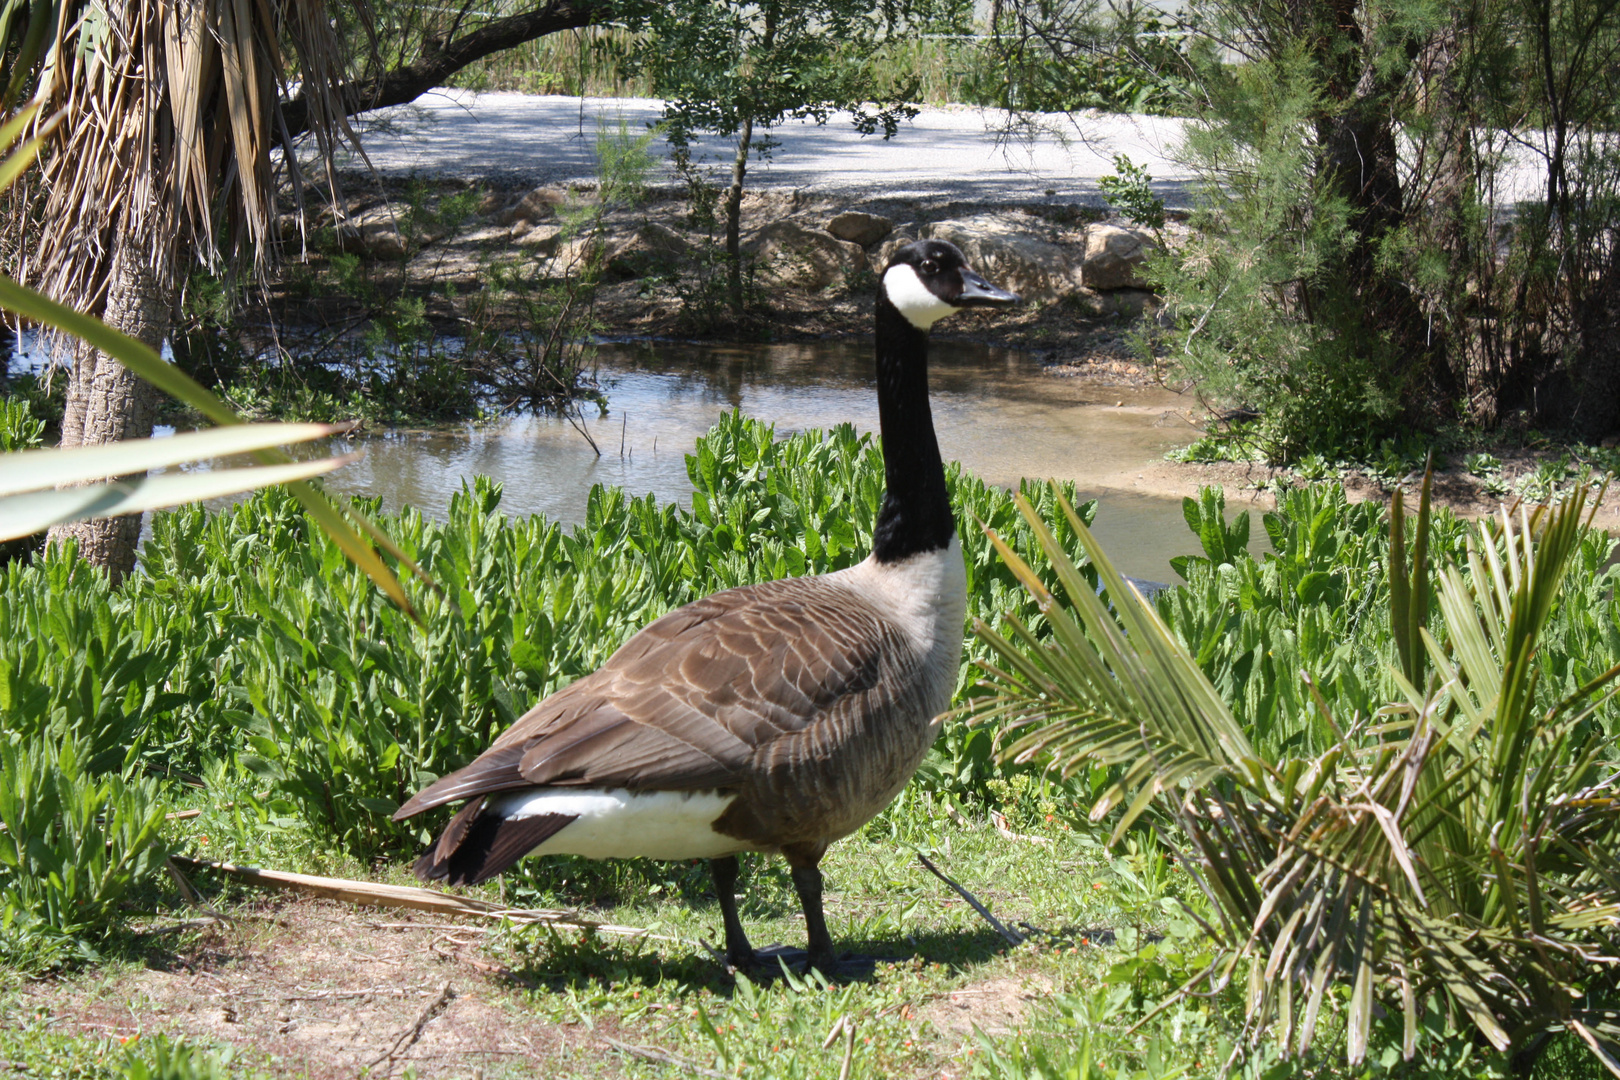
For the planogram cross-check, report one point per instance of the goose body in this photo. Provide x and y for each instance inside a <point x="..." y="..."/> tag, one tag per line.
<point x="774" y="718"/>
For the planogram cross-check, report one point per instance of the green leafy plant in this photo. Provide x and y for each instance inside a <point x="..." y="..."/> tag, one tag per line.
<point x="1129" y="189"/>
<point x="1453" y="847"/>
<point x="75" y="843"/>
<point x="1223" y="544"/>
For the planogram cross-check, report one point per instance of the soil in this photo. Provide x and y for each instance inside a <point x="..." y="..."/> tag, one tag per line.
<point x="320" y="989"/>
<point x="1252" y="486"/>
<point x="995" y="1007"/>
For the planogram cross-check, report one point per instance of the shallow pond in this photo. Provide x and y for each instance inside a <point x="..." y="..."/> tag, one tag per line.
<point x="994" y="409"/>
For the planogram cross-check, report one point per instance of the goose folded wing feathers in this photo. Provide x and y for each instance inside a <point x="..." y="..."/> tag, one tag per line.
<point x="696" y="699"/>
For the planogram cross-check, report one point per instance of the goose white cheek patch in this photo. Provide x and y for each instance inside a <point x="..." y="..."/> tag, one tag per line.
<point x="907" y="292"/>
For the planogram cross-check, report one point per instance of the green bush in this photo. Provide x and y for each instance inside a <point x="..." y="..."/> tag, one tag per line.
<point x="1315" y="607"/>
<point x="74" y="845"/>
<point x="251" y="642"/>
<point x="1264" y="320"/>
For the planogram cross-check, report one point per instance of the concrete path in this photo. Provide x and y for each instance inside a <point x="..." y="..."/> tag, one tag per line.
<point x="952" y="153"/>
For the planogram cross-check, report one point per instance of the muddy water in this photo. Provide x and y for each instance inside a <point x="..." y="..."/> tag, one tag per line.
<point x="994" y="410"/>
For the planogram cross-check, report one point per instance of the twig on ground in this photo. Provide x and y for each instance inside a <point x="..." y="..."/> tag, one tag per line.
<point x="191" y="895"/>
<point x="649" y="1054"/>
<point x="182" y="926"/>
<point x="327" y="995"/>
<point x="459" y="1054"/>
<point x="1012" y="937"/>
<point x="410" y="896"/>
<point x="408" y="1038"/>
<point x="849" y="1050"/>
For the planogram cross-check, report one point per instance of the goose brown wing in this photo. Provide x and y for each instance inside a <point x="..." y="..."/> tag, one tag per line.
<point x="688" y="702"/>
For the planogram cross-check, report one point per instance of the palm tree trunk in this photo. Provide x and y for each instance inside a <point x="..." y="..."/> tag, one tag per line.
<point x="105" y="403"/>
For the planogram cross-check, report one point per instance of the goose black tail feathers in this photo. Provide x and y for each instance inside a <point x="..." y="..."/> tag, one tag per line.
<point x="476" y="846"/>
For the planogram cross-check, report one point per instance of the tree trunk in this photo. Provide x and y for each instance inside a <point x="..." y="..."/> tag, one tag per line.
<point x="1361" y="158"/>
<point x="734" y="194"/>
<point x="106" y="403"/>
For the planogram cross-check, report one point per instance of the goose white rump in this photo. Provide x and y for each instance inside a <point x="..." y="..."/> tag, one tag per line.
<point x="612" y="823"/>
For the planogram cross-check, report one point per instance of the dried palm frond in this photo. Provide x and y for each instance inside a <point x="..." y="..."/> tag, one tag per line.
<point x="169" y="112"/>
<point x="1460" y="845"/>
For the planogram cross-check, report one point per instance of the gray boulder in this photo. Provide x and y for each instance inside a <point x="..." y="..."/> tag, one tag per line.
<point x="794" y="254"/>
<point x="1128" y="304"/>
<point x="860" y="228"/>
<point x="540" y="239"/>
<point x="1114" y="257"/>
<point x="902" y="236"/>
<point x="1001" y="248"/>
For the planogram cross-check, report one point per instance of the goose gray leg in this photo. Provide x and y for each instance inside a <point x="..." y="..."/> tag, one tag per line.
<point x="739" y="954"/>
<point x="807" y="883"/>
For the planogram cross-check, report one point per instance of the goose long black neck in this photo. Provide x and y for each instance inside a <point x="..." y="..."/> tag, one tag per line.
<point x="916" y="513"/>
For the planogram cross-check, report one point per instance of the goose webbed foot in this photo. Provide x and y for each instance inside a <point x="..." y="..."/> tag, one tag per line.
<point x="768" y="962"/>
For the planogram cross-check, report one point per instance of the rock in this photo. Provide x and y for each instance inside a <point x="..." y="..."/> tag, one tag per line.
<point x="793" y="253"/>
<point x="651" y="247"/>
<point x="1129" y="304"/>
<point x="488" y="234"/>
<point x="374" y="233"/>
<point x="540" y="239"/>
<point x="860" y="228"/>
<point x="1001" y="248"/>
<point x="1114" y="256"/>
<point x="538" y="205"/>
<point x="902" y="236"/>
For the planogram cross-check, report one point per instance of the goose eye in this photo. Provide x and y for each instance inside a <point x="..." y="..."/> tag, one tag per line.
<point x="929" y="266"/>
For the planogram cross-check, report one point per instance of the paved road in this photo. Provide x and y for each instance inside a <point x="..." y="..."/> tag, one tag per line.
<point x="943" y="153"/>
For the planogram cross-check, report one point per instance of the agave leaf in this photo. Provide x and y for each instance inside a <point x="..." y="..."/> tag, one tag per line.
<point x="141" y="360"/>
<point x="36" y="470"/>
<point x="24" y="515"/>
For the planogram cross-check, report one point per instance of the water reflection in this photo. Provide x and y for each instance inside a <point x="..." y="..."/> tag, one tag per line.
<point x="993" y="408"/>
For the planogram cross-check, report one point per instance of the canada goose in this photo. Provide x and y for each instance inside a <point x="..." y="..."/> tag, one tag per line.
<point x="774" y="718"/>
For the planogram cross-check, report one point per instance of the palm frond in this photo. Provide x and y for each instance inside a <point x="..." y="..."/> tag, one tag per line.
<point x="1106" y="690"/>
<point x="1460" y="847"/>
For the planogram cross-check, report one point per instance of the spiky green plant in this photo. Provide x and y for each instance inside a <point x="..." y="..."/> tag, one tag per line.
<point x="1457" y="848"/>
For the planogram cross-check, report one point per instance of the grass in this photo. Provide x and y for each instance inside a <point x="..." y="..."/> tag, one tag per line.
<point x="301" y="988"/>
<point x="958" y="998"/>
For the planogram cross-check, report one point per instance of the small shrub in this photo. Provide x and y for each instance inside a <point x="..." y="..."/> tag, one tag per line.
<point x="75" y="844"/>
<point x="20" y="429"/>
<point x="1129" y="190"/>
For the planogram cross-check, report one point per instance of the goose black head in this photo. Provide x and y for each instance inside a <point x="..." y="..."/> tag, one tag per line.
<point x="929" y="279"/>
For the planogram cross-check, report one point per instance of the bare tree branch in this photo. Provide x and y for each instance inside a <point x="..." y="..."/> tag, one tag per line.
<point x="408" y="82"/>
